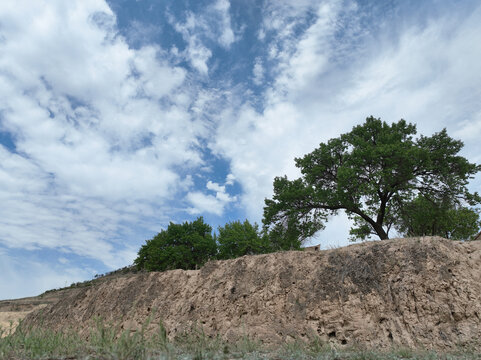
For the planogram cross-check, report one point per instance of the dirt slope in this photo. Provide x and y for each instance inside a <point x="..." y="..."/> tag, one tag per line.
<point x="411" y="292"/>
<point x="12" y="311"/>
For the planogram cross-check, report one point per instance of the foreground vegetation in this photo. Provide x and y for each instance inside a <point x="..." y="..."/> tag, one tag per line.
<point x="107" y="342"/>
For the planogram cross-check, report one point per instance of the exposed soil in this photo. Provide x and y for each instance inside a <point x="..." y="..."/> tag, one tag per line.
<point x="15" y="310"/>
<point x="411" y="292"/>
<point x="12" y="311"/>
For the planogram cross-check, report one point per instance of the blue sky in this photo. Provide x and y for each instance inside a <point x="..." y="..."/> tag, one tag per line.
<point x="119" y="116"/>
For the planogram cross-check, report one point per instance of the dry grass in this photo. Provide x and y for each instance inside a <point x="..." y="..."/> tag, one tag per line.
<point x="108" y="342"/>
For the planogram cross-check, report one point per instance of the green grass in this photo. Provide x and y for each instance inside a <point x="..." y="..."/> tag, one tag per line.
<point x="109" y="343"/>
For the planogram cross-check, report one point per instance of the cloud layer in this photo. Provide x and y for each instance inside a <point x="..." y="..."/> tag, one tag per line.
<point x="98" y="129"/>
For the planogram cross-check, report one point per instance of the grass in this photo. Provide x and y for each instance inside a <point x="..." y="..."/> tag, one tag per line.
<point x="110" y="343"/>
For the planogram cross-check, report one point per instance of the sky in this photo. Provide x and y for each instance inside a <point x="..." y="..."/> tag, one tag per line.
<point x="120" y="116"/>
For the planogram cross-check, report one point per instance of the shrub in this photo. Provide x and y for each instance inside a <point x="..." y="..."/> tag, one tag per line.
<point x="182" y="246"/>
<point x="238" y="239"/>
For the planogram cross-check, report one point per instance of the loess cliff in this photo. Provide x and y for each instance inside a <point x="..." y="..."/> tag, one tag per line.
<point x="420" y="292"/>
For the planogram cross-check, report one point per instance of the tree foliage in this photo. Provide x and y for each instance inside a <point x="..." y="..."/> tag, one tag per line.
<point x="424" y="216"/>
<point x="283" y="237"/>
<point x="181" y="246"/>
<point x="370" y="173"/>
<point x="237" y="239"/>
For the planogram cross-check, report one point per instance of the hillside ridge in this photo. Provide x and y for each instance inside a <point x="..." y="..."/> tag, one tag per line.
<point x="420" y="292"/>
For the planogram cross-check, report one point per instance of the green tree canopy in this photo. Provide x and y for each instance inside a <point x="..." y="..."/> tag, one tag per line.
<point x="283" y="236"/>
<point x="424" y="216"/>
<point x="238" y="239"/>
<point x="370" y="173"/>
<point x="181" y="246"/>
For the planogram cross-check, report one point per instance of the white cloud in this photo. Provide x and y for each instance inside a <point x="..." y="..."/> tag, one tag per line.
<point x="335" y="235"/>
<point x="140" y="33"/>
<point x="207" y="203"/>
<point x="203" y="203"/>
<point x="227" y="37"/>
<point x="282" y="19"/>
<point x="195" y="52"/>
<point x="258" y="72"/>
<point x="470" y="128"/>
<point x="212" y="25"/>
<point x="311" y="56"/>
<point x="230" y="179"/>
<point x="215" y="187"/>
<point x="98" y="128"/>
<point x="34" y="217"/>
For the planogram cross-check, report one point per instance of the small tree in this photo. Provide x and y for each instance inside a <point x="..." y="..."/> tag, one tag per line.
<point x="238" y="239"/>
<point x="424" y="216"/>
<point x="181" y="246"/>
<point x="370" y="173"/>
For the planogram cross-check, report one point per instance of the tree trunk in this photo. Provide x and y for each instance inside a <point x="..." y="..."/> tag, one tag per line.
<point x="380" y="232"/>
<point x="375" y="225"/>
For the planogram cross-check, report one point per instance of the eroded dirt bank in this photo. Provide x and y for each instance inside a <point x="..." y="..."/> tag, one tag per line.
<point x="410" y="292"/>
<point x="13" y="311"/>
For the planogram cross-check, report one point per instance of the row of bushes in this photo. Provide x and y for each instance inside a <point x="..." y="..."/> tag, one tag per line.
<point x="191" y="244"/>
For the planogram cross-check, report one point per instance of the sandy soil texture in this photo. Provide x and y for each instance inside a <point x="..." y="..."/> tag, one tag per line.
<point x="13" y="311"/>
<point x="9" y="320"/>
<point x="423" y="292"/>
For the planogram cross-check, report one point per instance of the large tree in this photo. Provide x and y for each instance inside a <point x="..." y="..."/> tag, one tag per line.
<point x="370" y="173"/>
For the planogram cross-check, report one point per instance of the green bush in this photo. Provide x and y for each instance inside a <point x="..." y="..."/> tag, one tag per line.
<point x="238" y="239"/>
<point x="427" y="216"/>
<point x="182" y="246"/>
